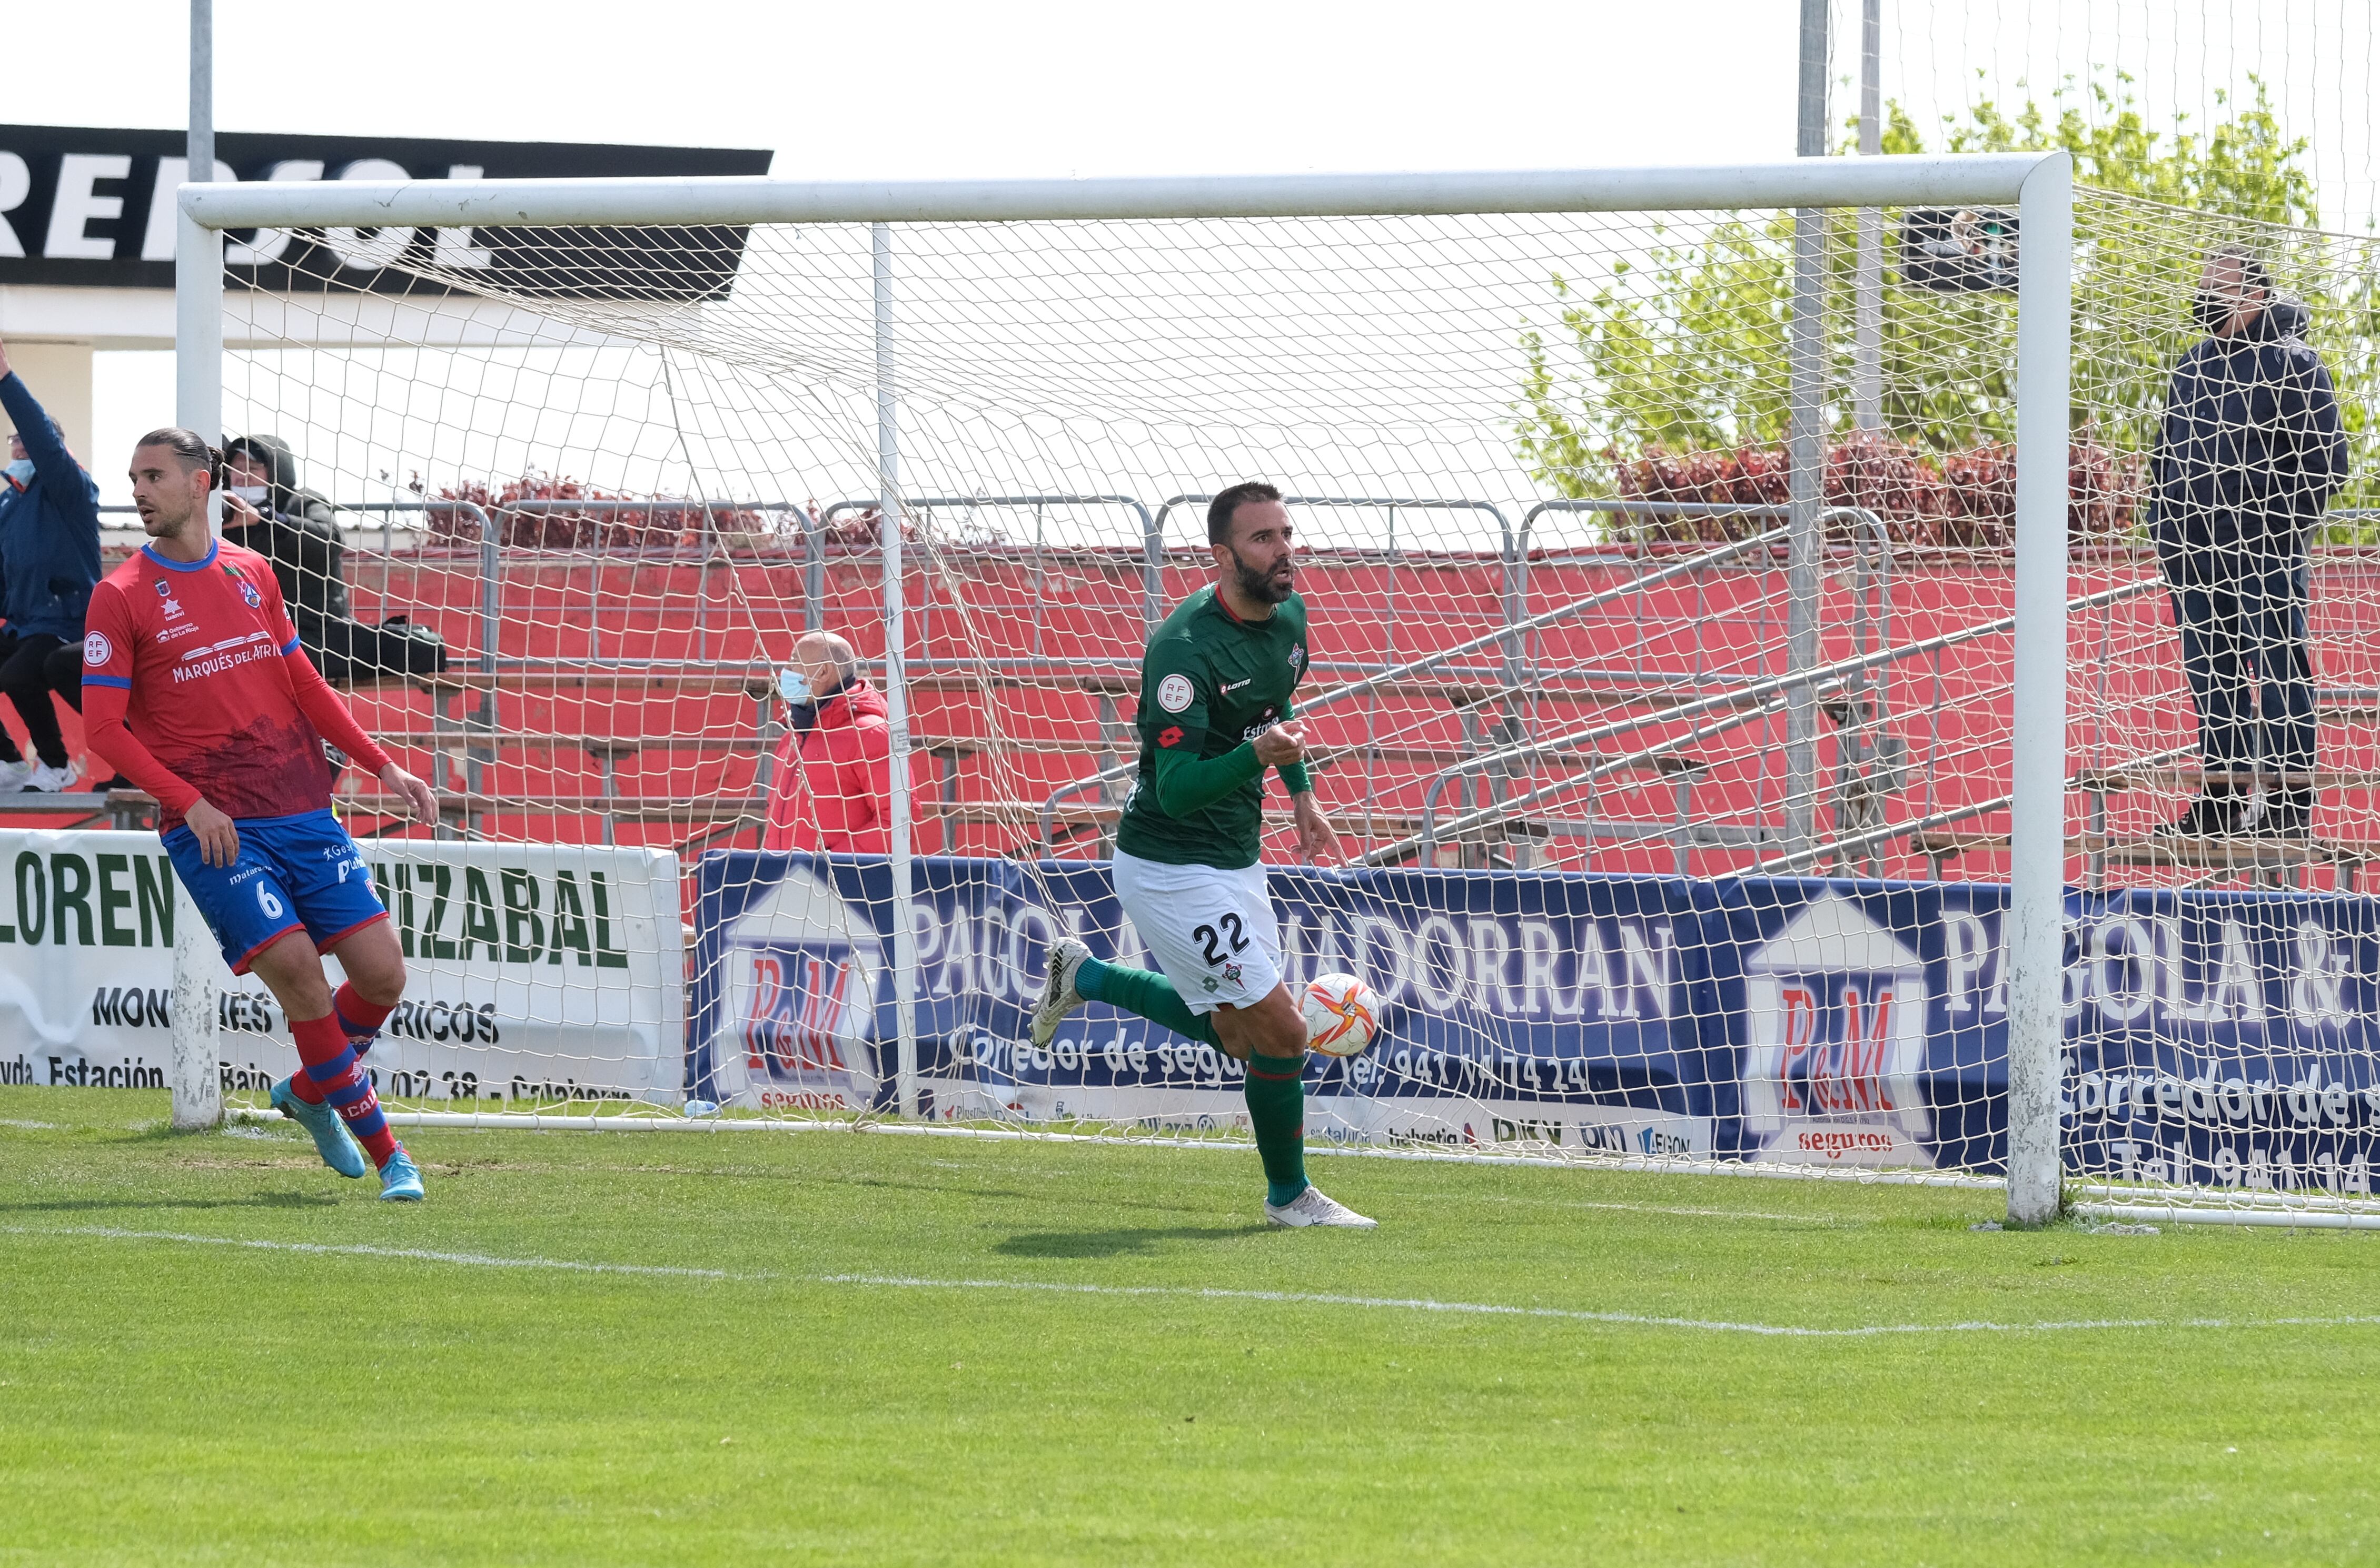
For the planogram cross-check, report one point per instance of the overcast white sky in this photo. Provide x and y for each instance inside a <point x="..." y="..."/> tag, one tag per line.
<point x="936" y="89"/>
<point x="931" y="88"/>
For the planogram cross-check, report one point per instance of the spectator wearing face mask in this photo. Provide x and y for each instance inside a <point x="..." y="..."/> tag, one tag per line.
<point x="296" y="531"/>
<point x="49" y="563"/>
<point x="833" y="787"/>
<point x="2249" y="454"/>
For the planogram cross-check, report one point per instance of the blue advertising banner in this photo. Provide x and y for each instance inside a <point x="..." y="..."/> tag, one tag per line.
<point x="2212" y="1037"/>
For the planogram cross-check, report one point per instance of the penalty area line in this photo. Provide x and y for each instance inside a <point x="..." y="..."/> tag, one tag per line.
<point x="409" y="1254"/>
<point x="1574" y="1315"/>
<point x="1425" y="1305"/>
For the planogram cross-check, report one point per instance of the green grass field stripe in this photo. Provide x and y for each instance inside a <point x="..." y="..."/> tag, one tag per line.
<point x="1198" y="1293"/>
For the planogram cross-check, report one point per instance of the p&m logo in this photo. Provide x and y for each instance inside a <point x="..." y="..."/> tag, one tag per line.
<point x="1836" y="1003"/>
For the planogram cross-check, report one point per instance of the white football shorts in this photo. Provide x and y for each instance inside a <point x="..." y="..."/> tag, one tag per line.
<point x="1212" y="933"/>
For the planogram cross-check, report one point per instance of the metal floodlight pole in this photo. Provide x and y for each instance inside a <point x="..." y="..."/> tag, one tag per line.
<point x="1805" y="445"/>
<point x="896" y="694"/>
<point x="2035" y="934"/>
<point x="1868" y="331"/>
<point x="195" y="1073"/>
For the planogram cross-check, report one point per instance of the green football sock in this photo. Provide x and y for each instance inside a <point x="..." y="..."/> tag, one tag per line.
<point x="1151" y="996"/>
<point x="1277" y="1115"/>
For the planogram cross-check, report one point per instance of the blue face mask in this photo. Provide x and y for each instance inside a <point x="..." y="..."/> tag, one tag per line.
<point x="795" y="688"/>
<point x="20" y="472"/>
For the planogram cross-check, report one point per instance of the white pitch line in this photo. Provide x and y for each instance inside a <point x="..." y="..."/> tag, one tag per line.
<point x="1198" y="1293"/>
<point x="1473" y="1308"/>
<point x="418" y="1255"/>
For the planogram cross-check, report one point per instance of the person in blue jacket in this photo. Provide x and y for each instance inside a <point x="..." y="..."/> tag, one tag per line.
<point x="49" y="563"/>
<point x="2248" y="456"/>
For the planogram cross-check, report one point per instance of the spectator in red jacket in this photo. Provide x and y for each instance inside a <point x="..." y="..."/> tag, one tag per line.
<point x="834" y="784"/>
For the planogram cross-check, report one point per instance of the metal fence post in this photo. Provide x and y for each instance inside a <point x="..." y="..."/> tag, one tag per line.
<point x="1867" y="333"/>
<point x="1805" y="446"/>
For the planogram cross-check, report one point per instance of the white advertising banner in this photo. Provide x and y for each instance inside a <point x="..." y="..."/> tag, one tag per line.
<point x="534" y="972"/>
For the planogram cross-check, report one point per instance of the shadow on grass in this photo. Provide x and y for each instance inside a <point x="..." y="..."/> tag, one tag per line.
<point x="106" y="1205"/>
<point x="1112" y="1244"/>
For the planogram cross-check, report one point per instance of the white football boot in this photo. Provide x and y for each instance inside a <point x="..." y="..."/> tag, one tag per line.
<point x="13" y="776"/>
<point x="1313" y="1206"/>
<point x="1059" y="996"/>
<point x="47" y="779"/>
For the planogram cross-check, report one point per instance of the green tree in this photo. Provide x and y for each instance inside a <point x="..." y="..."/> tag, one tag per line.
<point x="1685" y="348"/>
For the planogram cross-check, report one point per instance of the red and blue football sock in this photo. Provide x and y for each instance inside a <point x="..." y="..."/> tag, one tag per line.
<point x="361" y="1019"/>
<point x="332" y="1074"/>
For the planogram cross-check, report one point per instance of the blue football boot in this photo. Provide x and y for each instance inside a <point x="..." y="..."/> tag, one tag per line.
<point x="400" y="1180"/>
<point x="332" y="1140"/>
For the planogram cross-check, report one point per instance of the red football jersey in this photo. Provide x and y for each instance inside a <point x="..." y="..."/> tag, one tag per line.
<point x="203" y="648"/>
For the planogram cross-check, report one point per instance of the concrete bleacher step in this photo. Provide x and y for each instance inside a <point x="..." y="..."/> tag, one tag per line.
<point x="2231" y="853"/>
<point x="2180" y="779"/>
<point x="632" y="809"/>
<point x="598" y="745"/>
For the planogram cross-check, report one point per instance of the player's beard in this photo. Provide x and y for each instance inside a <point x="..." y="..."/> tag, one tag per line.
<point x="1265" y="587"/>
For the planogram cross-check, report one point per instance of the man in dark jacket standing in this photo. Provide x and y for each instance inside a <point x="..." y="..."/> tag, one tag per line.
<point x="49" y="556"/>
<point x="2249" y="455"/>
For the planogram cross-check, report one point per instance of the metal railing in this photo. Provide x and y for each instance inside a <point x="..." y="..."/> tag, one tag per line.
<point x="1840" y="671"/>
<point x="490" y="590"/>
<point x="1442" y="657"/>
<point x="1152" y="538"/>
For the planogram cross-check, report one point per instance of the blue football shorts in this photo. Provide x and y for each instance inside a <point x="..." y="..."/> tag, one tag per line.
<point x="293" y="873"/>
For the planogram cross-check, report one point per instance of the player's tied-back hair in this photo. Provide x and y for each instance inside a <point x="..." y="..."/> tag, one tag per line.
<point x="190" y="447"/>
<point x="1230" y="500"/>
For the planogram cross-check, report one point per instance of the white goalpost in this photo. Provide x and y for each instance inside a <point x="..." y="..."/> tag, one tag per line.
<point x="938" y="350"/>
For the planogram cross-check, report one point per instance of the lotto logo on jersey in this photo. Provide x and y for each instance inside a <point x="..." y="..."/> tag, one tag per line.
<point x="1170" y="737"/>
<point x="97" y="650"/>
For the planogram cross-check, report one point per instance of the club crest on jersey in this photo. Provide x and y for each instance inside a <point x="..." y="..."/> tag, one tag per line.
<point x="249" y="595"/>
<point x="163" y="588"/>
<point x="1175" y="693"/>
<point x="1296" y="656"/>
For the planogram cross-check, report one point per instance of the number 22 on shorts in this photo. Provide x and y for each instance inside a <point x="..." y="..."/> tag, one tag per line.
<point x="1231" y="922"/>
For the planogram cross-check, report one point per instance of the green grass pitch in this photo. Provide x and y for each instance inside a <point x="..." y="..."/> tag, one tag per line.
<point x="679" y="1349"/>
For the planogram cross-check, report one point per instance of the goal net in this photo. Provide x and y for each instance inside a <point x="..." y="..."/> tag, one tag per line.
<point x="1664" y="595"/>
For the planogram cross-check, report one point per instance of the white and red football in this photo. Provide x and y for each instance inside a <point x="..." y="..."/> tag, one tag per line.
<point x="1343" y="1014"/>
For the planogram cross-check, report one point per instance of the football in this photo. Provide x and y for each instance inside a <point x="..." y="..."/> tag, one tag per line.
<point x="1343" y="1014"/>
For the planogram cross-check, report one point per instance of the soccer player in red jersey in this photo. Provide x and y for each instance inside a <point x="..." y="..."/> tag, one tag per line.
<point x="194" y="687"/>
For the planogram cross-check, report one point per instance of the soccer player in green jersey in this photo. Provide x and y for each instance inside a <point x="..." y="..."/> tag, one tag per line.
<point x="1214" y="688"/>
